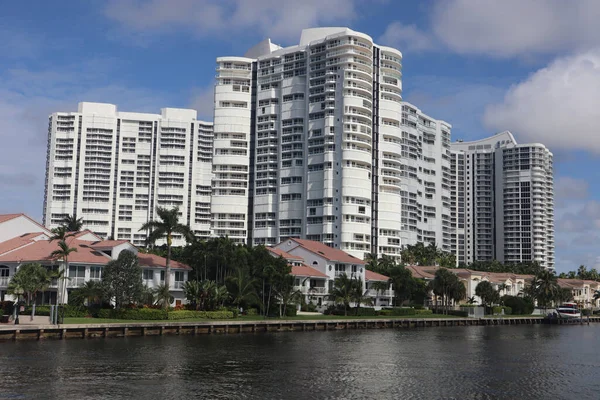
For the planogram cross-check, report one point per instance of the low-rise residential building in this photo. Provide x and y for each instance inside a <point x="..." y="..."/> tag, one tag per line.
<point x="511" y="284"/>
<point x="316" y="265"/>
<point x="25" y="241"/>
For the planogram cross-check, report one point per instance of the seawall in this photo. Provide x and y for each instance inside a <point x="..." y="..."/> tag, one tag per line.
<point x="83" y="331"/>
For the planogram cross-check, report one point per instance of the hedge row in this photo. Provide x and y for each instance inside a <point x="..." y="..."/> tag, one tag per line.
<point x="186" y="314"/>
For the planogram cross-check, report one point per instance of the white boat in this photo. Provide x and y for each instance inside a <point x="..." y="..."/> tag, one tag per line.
<point x="568" y="311"/>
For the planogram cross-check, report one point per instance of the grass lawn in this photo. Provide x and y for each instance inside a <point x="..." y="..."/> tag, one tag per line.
<point x="247" y="318"/>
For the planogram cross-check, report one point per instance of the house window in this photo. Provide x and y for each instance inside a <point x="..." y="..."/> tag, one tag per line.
<point x="179" y="276"/>
<point x="148" y="275"/>
<point x="96" y="273"/>
<point x="162" y="276"/>
<point x="4" y="272"/>
<point x="76" y="271"/>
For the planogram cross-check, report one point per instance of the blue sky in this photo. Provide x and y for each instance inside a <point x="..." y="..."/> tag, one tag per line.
<point x="532" y="67"/>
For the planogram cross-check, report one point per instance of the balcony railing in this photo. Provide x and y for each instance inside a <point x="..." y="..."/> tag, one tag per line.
<point x="75" y="282"/>
<point x="317" y="290"/>
<point x="4" y="281"/>
<point x="381" y="293"/>
<point x="178" y="285"/>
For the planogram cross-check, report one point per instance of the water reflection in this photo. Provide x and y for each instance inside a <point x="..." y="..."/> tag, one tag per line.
<point x="534" y="362"/>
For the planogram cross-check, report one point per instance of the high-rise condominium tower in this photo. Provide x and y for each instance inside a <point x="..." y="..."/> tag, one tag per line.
<point x="313" y="141"/>
<point x="503" y="201"/>
<point x="114" y="168"/>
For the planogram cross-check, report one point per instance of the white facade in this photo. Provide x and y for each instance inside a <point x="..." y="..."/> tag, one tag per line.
<point x="320" y="132"/>
<point x="114" y="168"/>
<point x="503" y="203"/>
<point x="22" y="241"/>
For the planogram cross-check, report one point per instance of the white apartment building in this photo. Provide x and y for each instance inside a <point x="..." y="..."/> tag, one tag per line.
<point x="503" y="201"/>
<point x="114" y="168"/>
<point x="313" y="141"/>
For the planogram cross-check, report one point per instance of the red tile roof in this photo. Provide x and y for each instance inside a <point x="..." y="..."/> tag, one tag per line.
<point x="40" y="251"/>
<point x="305" y="270"/>
<point x="152" y="260"/>
<point x="374" y="276"/>
<point x="19" y="241"/>
<point x="8" y="217"/>
<point x="283" y="254"/>
<point x="329" y="253"/>
<point x="103" y="244"/>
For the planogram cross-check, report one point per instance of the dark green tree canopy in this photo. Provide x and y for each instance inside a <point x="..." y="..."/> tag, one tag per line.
<point x="122" y="279"/>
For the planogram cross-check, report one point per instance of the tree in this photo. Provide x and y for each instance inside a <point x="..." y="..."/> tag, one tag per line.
<point x="72" y="224"/>
<point x="544" y="288"/>
<point x="122" y="279"/>
<point x="163" y="295"/>
<point x="192" y="290"/>
<point x="28" y="281"/>
<point x="62" y="253"/>
<point x="358" y="295"/>
<point x="342" y="291"/>
<point x="287" y="294"/>
<point x="167" y="225"/>
<point x="448" y="286"/>
<point x="487" y="293"/>
<point x="92" y="292"/>
<point x="379" y="287"/>
<point x="241" y="288"/>
<point x="471" y="300"/>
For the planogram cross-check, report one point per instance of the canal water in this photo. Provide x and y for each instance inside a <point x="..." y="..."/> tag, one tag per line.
<point x="502" y="362"/>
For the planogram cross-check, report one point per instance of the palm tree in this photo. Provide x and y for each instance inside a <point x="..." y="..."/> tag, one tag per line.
<point x="92" y="291"/>
<point x="72" y="223"/>
<point x="163" y="295"/>
<point x="165" y="228"/>
<point x="546" y="287"/>
<point x="471" y="300"/>
<point x="287" y="294"/>
<point x="596" y="297"/>
<point x="358" y="294"/>
<point x="62" y="253"/>
<point x="372" y="262"/>
<point x="379" y="287"/>
<point x="28" y="281"/>
<point x="342" y="291"/>
<point x="241" y="287"/>
<point x="192" y="291"/>
<point x="503" y="287"/>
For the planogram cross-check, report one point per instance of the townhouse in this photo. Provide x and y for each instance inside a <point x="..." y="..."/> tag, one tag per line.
<point x="22" y="241"/>
<point x="316" y="265"/>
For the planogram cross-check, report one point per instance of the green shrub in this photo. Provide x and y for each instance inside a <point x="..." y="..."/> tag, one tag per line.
<point x="39" y="310"/>
<point x="397" y="311"/>
<point x="518" y="305"/>
<point x="134" y="314"/>
<point x="234" y="310"/>
<point x="362" y="311"/>
<point x="496" y="310"/>
<point x="417" y="306"/>
<point x="252" y="311"/>
<point x="6" y="307"/>
<point x="186" y="314"/>
<point x="586" y="312"/>
<point x="291" y="311"/>
<point x="507" y="310"/>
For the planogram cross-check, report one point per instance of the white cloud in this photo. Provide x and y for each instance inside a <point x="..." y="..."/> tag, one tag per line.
<point x="406" y="38"/>
<point x="567" y="188"/>
<point x="205" y="18"/>
<point x="517" y="27"/>
<point x="557" y="105"/>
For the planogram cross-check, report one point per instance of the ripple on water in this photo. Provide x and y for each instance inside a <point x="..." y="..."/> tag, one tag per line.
<point x="515" y="362"/>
